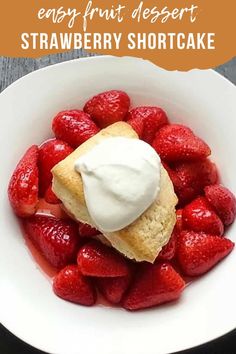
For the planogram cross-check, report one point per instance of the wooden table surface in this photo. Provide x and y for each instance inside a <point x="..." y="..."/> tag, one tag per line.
<point x="10" y="70"/>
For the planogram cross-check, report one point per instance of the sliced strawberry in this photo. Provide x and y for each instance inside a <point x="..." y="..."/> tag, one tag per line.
<point x="86" y="230"/>
<point x="73" y="127"/>
<point x="113" y="289"/>
<point x="199" y="252"/>
<point x="71" y="285"/>
<point x="108" y="107"/>
<point x="50" y="153"/>
<point x="168" y="251"/>
<point x="23" y="186"/>
<point x="98" y="260"/>
<point x="175" y="142"/>
<point x="153" y="118"/>
<point x="200" y="216"/>
<point x="223" y="201"/>
<point x="190" y="178"/>
<point x="56" y="239"/>
<point x="50" y="197"/>
<point x="153" y="285"/>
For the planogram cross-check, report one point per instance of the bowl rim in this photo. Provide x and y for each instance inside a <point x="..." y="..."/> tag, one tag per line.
<point x="88" y="59"/>
<point x="100" y="57"/>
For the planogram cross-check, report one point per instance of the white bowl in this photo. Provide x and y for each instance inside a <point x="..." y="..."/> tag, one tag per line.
<point x="28" y="308"/>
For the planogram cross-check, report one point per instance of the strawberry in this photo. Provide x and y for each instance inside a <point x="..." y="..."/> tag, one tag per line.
<point x="50" y="197"/>
<point x="199" y="252"/>
<point x="168" y="251"/>
<point x="56" y="239"/>
<point x="153" y="119"/>
<point x="108" y="107"/>
<point x="190" y="178"/>
<point x="153" y="285"/>
<point x="113" y="289"/>
<point x="137" y="124"/>
<point x="172" y="174"/>
<point x="23" y="186"/>
<point x="73" y="127"/>
<point x="71" y="285"/>
<point x="175" y="142"/>
<point x="179" y="220"/>
<point x="200" y="216"/>
<point x="223" y="201"/>
<point x="98" y="260"/>
<point x="86" y="230"/>
<point x="50" y="153"/>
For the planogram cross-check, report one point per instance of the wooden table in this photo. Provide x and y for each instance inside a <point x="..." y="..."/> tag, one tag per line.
<point x="10" y="70"/>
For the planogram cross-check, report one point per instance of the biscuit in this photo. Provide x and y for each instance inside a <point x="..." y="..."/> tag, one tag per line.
<point x="144" y="238"/>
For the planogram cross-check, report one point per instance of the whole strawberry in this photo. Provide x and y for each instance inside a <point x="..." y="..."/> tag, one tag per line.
<point x="23" y="185"/>
<point x="56" y="239"/>
<point x="73" y="127"/>
<point x="153" y="119"/>
<point x="98" y="260"/>
<point x="71" y="285"/>
<point x="108" y="107"/>
<point x="50" y="153"/>
<point x="175" y="142"/>
<point x="113" y="289"/>
<point x="153" y="285"/>
<point x="199" y="252"/>
<point x="190" y="178"/>
<point x="223" y="201"/>
<point x="200" y="216"/>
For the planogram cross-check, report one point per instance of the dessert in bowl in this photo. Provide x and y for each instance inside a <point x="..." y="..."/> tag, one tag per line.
<point x="147" y="254"/>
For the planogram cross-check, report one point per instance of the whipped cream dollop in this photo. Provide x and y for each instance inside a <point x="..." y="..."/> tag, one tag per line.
<point x="121" y="179"/>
